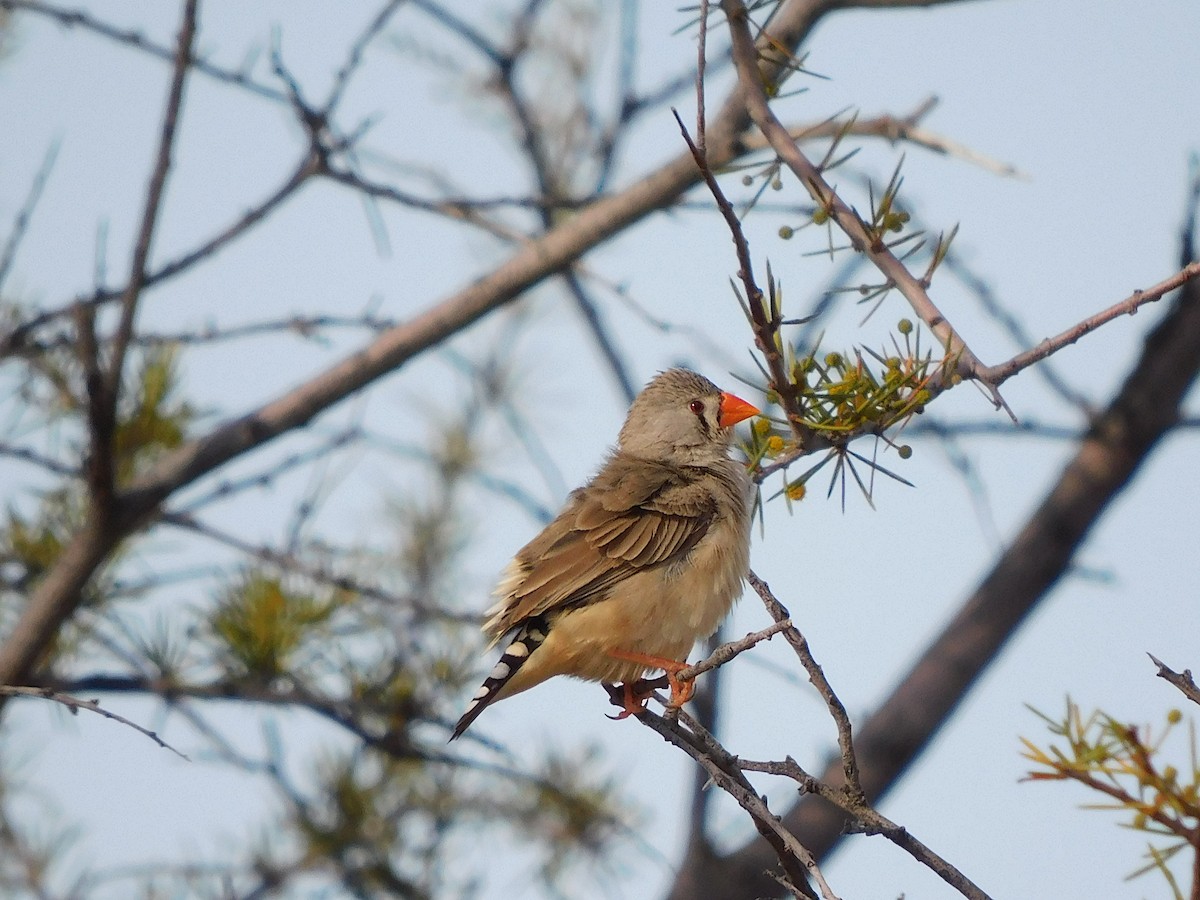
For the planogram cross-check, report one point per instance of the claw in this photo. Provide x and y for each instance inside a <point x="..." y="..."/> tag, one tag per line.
<point x="629" y="697"/>
<point x="681" y="690"/>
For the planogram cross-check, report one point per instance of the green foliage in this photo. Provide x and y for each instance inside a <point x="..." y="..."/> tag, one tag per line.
<point x="361" y="823"/>
<point x="1124" y="762"/>
<point x="841" y="395"/>
<point x="30" y="544"/>
<point x="394" y="827"/>
<point x="260" y="623"/>
<point x="150" y="420"/>
<point x="570" y="811"/>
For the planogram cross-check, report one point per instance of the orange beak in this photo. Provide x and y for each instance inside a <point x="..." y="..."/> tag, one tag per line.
<point x="734" y="409"/>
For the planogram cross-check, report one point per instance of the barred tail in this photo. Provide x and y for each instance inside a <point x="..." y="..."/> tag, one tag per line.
<point x="527" y="640"/>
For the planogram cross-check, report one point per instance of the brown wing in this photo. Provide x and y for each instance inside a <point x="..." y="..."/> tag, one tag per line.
<point x="634" y="515"/>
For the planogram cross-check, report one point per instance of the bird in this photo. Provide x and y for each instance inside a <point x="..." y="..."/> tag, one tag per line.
<point x="643" y="560"/>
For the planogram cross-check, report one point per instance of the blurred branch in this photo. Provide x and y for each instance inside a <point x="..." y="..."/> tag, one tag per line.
<point x="25" y="213"/>
<point x="294" y="563"/>
<point x="20" y="339"/>
<point x="149" y="221"/>
<point x="33" y="457"/>
<point x="70" y="18"/>
<point x="896" y="130"/>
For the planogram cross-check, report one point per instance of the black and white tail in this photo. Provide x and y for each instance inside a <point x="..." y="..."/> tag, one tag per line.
<point x="527" y="640"/>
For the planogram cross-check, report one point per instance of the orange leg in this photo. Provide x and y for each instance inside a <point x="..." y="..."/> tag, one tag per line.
<point x="681" y="690"/>
<point x="630" y="696"/>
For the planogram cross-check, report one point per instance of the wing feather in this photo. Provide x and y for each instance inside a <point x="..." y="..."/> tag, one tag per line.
<point x="630" y="517"/>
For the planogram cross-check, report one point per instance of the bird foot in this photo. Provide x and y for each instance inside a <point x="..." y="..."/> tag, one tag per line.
<point x="681" y="689"/>
<point x="631" y="696"/>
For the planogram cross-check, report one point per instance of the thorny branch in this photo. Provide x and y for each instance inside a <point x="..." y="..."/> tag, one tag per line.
<point x="767" y="318"/>
<point x="963" y="364"/>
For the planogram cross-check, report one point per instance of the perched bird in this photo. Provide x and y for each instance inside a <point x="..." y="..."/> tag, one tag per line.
<point x="643" y="560"/>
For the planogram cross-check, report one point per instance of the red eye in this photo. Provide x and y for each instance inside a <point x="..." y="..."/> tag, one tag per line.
<point x="697" y="406"/>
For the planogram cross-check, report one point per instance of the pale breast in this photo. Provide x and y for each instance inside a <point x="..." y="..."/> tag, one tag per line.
<point x="664" y="611"/>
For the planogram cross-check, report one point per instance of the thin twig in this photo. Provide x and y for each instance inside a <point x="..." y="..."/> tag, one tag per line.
<point x="355" y="56"/>
<point x="1182" y="680"/>
<point x="1000" y="373"/>
<point x="75" y="704"/>
<point x="765" y="323"/>
<point x="722" y="767"/>
<point x="154" y="194"/>
<point x="25" y="213"/>
<point x="745" y="54"/>
<point x="70" y="18"/>
<point x="898" y="129"/>
<point x="728" y="651"/>
<point x="817" y="676"/>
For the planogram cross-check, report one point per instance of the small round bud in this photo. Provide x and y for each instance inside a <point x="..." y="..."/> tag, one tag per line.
<point x="833" y="360"/>
<point x="774" y="443"/>
<point x="786" y="232"/>
<point x="905" y="326"/>
<point x="820" y="215"/>
<point x="905" y="451"/>
<point x="796" y="490"/>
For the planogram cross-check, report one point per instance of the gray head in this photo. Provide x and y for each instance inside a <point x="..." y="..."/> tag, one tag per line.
<point x="682" y="417"/>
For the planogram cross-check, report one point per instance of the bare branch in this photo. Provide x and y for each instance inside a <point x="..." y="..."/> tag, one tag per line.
<point x="998" y="374"/>
<point x="25" y="214"/>
<point x="816" y="675"/>
<point x="693" y="739"/>
<point x="70" y="18"/>
<point x="75" y="704"/>
<point x="1182" y="680"/>
<point x="728" y="651"/>
<point x="158" y="182"/>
